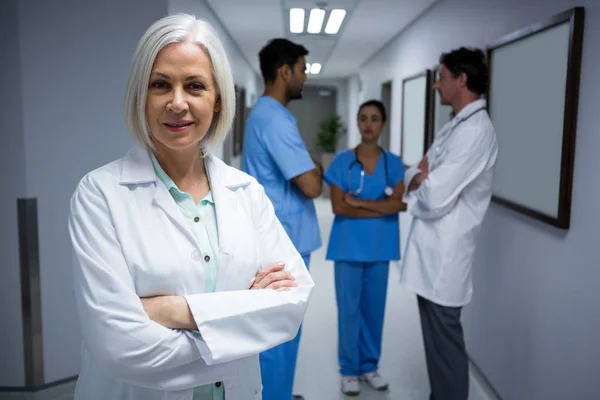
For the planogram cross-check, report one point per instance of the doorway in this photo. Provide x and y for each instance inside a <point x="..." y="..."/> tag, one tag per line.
<point x="386" y="99"/>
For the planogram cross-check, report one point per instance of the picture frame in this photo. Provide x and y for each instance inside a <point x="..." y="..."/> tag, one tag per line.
<point x="533" y="104"/>
<point x="416" y="94"/>
<point x="239" y="122"/>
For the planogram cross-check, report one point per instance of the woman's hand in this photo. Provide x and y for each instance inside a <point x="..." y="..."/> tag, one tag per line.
<point x="351" y="200"/>
<point x="274" y="277"/>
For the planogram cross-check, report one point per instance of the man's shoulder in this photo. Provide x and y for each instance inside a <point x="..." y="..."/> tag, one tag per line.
<point x="265" y="118"/>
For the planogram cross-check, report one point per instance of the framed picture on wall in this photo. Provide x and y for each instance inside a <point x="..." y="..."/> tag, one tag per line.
<point x="416" y="93"/>
<point x="239" y="121"/>
<point x="533" y="102"/>
<point x="440" y="114"/>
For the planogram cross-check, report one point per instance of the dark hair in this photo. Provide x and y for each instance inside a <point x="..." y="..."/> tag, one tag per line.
<point x="473" y="63"/>
<point x="277" y="53"/>
<point x="373" y="103"/>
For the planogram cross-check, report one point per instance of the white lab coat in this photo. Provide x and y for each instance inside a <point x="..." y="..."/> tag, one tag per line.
<point x="448" y="208"/>
<point x="131" y="240"/>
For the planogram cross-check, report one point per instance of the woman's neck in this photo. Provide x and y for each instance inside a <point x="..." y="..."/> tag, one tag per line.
<point x="368" y="148"/>
<point x="184" y="167"/>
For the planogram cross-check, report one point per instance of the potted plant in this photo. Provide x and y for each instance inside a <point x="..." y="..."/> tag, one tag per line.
<point x="326" y="142"/>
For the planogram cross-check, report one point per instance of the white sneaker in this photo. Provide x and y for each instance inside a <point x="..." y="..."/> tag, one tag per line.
<point x="350" y="385"/>
<point x="374" y="380"/>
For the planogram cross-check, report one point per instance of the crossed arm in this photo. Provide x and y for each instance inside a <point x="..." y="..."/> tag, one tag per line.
<point x="349" y="206"/>
<point x="174" y="312"/>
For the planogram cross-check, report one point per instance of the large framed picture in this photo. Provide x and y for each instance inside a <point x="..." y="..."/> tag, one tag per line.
<point x="532" y="102"/>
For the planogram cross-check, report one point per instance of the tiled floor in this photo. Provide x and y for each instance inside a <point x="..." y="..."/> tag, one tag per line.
<point x="402" y="362"/>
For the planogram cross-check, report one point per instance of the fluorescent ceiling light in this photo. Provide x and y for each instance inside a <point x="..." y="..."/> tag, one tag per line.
<point x="307" y="70"/>
<point x="296" y="20"/>
<point x="315" y="21"/>
<point x="315" y="68"/>
<point x="335" y="21"/>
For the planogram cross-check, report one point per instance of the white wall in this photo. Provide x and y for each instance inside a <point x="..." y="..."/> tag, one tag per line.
<point x="12" y="165"/>
<point x="355" y="98"/>
<point x="75" y="58"/>
<point x="533" y="324"/>
<point x="243" y="74"/>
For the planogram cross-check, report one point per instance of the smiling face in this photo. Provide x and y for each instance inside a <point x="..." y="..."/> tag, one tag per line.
<point x="370" y="123"/>
<point x="182" y="97"/>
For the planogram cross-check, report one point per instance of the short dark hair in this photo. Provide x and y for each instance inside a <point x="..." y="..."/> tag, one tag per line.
<point x="473" y="63"/>
<point x="373" y="103"/>
<point x="277" y="53"/>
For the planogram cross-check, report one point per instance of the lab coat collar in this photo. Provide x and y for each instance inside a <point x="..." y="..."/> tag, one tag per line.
<point x="137" y="168"/>
<point x="449" y="127"/>
<point x="224" y="181"/>
<point x="469" y="109"/>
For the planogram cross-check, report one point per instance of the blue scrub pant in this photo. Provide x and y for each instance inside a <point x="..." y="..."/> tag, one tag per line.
<point x="278" y="365"/>
<point x="361" y="290"/>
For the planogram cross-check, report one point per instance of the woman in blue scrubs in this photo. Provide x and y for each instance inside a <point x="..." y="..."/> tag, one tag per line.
<point x="366" y="194"/>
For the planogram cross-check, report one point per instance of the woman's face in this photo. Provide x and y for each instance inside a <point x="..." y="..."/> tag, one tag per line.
<point x="182" y="97"/>
<point x="370" y="123"/>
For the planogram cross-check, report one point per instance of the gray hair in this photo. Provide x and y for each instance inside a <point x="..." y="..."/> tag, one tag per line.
<point x="169" y="30"/>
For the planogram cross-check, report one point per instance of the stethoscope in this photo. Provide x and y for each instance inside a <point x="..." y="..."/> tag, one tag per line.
<point x="388" y="190"/>
<point x="437" y="150"/>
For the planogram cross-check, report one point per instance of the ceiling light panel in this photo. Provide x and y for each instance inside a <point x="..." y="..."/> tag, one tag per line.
<point x="315" y="21"/>
<point x="296" y="20"/>
<point x="336" y="17"/>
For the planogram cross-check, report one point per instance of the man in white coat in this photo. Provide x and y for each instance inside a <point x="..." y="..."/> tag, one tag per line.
<point x="448" y="195"/>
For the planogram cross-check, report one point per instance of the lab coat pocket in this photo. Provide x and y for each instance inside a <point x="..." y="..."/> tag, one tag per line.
<point x="438" y="155"/>
<point x="238" y="270"/>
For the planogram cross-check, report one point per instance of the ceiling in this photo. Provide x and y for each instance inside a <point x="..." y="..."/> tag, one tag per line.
<point x="369" y="25"/>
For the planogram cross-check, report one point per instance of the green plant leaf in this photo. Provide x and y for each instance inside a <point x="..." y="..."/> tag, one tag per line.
<point x="329" y="132"/>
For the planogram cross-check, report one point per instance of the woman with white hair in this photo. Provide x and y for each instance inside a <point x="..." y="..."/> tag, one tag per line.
<point x="170" y="243"/>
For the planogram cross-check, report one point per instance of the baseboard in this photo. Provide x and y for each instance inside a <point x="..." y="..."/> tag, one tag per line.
<point x="482" y="382"/>
<point x="20" y="389"/>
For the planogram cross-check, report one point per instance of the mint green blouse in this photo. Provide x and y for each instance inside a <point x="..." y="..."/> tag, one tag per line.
<point x="203" y="221"/>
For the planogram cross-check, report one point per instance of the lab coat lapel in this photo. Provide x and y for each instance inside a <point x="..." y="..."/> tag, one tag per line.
<point x="226" y="210"/>
<point x="138" y="169"/>
<point x="164" y="200"/>
<point x="223" y="185"/>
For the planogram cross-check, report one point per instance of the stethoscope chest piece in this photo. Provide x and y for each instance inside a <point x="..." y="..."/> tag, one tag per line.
<point x="388" y="189"/>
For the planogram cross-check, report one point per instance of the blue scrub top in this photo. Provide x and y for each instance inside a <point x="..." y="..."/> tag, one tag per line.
<point x="364" y="239"/>
<point x="274" y="153"/>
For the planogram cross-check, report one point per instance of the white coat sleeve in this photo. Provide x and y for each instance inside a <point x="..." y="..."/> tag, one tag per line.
<point x="242" y="323"/>
<point x="408" y="177"/>
<point x="116" y="330"/>
<point x="467" y="159"/>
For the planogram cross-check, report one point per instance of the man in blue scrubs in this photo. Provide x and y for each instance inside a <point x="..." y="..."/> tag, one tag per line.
<point x="275" y="155"/>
